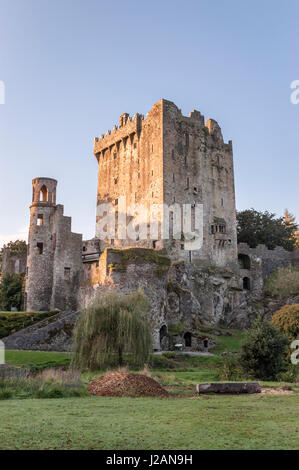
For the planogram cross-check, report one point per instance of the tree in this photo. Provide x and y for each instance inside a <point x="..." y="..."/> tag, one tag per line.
<point x="290" y="221"/>
<point x="263" y="351"/>
<point x="11" y="291"/>
<point x="287" y="321"/>
<point x="111" y="325"/>
<point x="256" y="228"/>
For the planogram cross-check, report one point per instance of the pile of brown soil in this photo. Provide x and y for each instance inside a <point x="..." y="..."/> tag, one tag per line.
<point x="125" y="384"/>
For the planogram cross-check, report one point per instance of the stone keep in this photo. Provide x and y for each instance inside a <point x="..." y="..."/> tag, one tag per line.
<point x="54" y="260"/>
<point x="167" y="158"/>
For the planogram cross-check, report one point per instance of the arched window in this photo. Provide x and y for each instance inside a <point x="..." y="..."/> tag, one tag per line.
<point x="43" y="195"/>
<point x="246" y="283"/>
<point x="188" y="339"/>
<point x="244" y="261"/>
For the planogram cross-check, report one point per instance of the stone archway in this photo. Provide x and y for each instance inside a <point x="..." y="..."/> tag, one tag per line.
<point x="163" y="338"/>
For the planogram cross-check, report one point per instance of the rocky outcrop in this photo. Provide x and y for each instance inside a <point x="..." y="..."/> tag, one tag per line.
<point x="272" y="305"/>
<point x="53" y="334"/>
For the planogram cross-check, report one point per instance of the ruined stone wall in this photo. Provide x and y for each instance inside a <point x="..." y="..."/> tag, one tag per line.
<point x="179" y="292"/>
<point x="13" y="263"/>
<point x="54" y="259"/>
<point x="295" y="259"/>
<point x="41" y="246"/>
<point x="67" y="263"/>
<point x="266" y="260"/>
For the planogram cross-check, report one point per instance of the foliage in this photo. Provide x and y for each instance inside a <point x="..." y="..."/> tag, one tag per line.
<point x="263" y="351"/>
<point x="11" y="291"/>
<point x="176" y="329"/>
<point x="287" y="321"/>
<point x="290" y="221"/>
<point x="256" y="228"/>
<point x="111" y="325"/>
<point x="140" y="256"/>
<point x="283" y="282"/>
<point x="11" y="322"/>
<point x="231" y="368"/>
<point x="47" y="384"/>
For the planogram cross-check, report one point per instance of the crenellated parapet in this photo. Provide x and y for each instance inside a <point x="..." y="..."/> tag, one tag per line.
<point x="128" y="127"/>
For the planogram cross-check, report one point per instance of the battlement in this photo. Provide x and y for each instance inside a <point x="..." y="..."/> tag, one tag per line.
<point x="128" y="126"/>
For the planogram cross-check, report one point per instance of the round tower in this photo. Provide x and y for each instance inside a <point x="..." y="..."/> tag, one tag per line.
<point x="41" y="245"/>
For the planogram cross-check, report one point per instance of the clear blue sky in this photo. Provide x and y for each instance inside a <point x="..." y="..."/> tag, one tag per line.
<point x="71" y="67"/>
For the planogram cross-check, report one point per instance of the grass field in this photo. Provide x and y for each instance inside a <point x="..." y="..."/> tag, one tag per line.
<point x="239" y="422"/>
<point x="184" y="421"/>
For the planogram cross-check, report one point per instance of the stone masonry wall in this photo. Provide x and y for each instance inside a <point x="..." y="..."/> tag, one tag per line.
<point x="13" y="263"/>
<point x="268" y="260"/>
<point x="54" y="261"/>
<point x="198" y="169"/>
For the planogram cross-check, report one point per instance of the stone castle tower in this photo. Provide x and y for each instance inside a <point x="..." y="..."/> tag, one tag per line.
<point x="54" y="253"/>
<point x="167" y="158"/>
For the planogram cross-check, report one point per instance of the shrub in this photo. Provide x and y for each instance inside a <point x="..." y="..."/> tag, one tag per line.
<point x="11" y="291"/>
<point x="11" y="322"/>
<point x="287" y="321"/>
<point x="231" y="368"/>
<point x="263" y="351"/>
<point x="111" y="325"/>
<point x="283" y="282"/>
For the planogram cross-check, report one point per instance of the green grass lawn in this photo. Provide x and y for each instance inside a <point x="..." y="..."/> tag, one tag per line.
<point x="184" y="421"/>
<point x="37" y="359"/>
<point x="210" y="422"/>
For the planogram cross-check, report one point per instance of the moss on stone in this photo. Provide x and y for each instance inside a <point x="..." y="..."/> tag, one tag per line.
<point x="141" y="256"/>
<point x="176" y="329"/>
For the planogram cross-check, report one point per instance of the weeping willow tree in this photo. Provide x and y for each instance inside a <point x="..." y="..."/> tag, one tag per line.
<point x="112" y="325"/>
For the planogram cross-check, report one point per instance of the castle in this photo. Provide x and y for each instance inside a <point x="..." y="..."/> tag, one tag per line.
<point x="170" y="160"/>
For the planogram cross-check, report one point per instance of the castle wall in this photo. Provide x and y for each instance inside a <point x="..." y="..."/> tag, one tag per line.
<point x="265" y="261"/>
<point x="130" y="165"/>
<point x="169" y="159"/>
<point x="198" y="169"/>
<point x="39" y="277"/>
<point x="67" y="263"/>
<point x="54" y="259"/>
<point x="179" y="293"/>
<point x="13" y="263"/>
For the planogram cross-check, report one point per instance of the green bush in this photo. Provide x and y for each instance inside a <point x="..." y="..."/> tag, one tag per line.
<point x="263" y="351"/>
<point x="11" y="291"/>
<point x="231" y="368"/>
<point x="287" y="321"/>
<point x="283" y="282"/>
<point x="11" y="322"/>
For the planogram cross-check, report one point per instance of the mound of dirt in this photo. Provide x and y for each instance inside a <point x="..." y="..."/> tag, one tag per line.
<point x="125" y="384"/>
